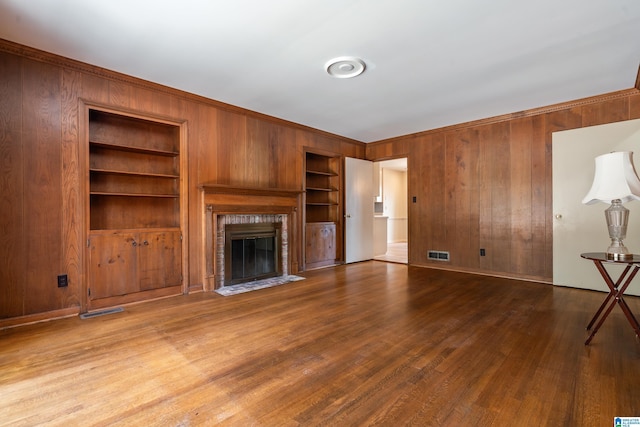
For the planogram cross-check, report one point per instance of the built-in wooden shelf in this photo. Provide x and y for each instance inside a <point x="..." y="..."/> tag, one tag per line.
<point x="323" y="209"/>
<point x="134" y="173"/>
<point x="133" y="148"/>
<point x="104" y="193"/>
<point x="134" y="208"/>
<point x="315" y="172"/>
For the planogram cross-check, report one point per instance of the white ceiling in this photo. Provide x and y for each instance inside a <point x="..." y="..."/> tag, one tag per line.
<point x="430" y="63"/>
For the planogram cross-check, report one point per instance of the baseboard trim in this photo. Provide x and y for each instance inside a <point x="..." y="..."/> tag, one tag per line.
<point x="39" y="317"/>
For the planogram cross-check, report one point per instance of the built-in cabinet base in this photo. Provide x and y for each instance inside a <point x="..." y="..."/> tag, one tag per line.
<point x="320" y="244"/>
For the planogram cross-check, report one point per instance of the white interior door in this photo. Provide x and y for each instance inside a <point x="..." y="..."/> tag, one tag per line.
<point x="358" y="222"/>
<point x="579" y="228"/>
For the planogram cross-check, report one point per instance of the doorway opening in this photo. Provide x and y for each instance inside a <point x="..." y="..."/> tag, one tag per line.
<point x="391" y="237"/>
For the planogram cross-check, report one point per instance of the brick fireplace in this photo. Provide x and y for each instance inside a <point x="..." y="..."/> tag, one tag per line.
<point x="226" y="206"/>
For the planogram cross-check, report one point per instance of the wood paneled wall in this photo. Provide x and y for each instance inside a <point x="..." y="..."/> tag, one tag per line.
<point x="43" y="173"/>
<point x="487" y="184"/>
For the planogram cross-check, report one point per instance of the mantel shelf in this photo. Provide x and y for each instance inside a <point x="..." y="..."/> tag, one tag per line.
<point x="213" y="188"/>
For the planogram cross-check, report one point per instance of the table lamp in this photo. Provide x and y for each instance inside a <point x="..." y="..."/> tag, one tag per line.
<point x="615" y="182"/>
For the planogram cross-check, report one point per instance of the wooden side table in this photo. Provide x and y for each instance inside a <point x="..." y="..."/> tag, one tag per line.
<point x="615" y="290"/>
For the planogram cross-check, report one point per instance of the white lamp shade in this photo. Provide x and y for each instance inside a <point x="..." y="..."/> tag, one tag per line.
<point x="615" y="178"/>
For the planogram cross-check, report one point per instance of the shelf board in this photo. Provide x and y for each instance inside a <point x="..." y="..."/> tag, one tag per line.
<point x="324" y="173"/>
<point x="321" y="204"/>
<point x="130" y="173"/>
<point x="97" y="231"/>
<point x="321" y="189"/>
<point x="133" y="149"/>
<point x="162" y="196"/>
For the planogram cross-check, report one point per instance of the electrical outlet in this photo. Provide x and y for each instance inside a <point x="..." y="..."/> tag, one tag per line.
<point x="483" y="252"/>
<point x="63" y="281"/>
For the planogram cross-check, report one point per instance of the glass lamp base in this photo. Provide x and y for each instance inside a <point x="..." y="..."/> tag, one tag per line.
<point x="619" y="257"/>
<point x="617" y="218"/>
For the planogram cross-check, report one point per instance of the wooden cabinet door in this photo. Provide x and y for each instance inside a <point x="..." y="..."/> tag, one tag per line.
<point x="320" y="244"/>
<point x="159" y="259"/>
<point x="112" y="265"/>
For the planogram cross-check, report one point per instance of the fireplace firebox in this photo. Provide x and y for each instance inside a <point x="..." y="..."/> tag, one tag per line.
<point x="252" y="252"/>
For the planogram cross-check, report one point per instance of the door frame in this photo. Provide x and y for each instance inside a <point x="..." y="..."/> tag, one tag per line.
<point x="408" y="198"/>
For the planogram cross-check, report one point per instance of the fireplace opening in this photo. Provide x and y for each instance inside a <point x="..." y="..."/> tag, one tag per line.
<point x="252" y="252"/>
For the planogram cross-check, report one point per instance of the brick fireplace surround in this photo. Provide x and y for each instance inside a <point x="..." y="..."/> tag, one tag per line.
<point x="221" y="240"/>
<point x="224" y="204"/>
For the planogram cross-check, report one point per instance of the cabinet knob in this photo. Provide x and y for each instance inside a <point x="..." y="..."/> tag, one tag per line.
<point x="145" y="243"/>
<point x="134" y="243"/>
<point x="347" y="216"/>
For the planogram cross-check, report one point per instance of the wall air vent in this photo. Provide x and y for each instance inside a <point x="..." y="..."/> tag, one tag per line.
<point x="438" y="255"/>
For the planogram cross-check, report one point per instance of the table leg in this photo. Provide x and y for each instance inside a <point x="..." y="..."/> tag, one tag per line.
<point x="609" y="281"/>
<point x="617" y="298"/>
<point x="627" y="311"/>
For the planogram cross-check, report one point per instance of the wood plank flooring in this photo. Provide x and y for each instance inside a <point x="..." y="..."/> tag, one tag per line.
<point x="396" y="252"/>
<point x="370" y="343"/>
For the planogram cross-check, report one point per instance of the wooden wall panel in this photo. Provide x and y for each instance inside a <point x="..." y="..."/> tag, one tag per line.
<point x="634" y="107"/>
<point x="448" y="208"/>
<point x="491" y="178"/>
<point x="521" y="195"/>
<point x="416" y="184"/>
<point x="204" y="142"/>
<point x="257" y="154"/>
<point x="72" y="191"/>
<point x="95" y="89"/>
<point x="12" y="250"/>
<point x="120" y="94"/>
<point x="435" y="196"/>
<point x="155" y="102"/>
<point x="462" y="196"/>
<point x="541" y="201"/>
<point x="491" y="184"/>
<point x="485" y="186"/>
<point x="42" y="185"/>
<point x="500" y="172"/>
<point x="609" y="111"/>
<point x="230" y="136"/>
<point x="43" y="178"/>
<point x="201" y="138"/>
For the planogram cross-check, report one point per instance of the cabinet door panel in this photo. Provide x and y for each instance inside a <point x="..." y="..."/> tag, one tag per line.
<point x="160" y="259"/>
<point x="112" y="270"/>
<point x="321" y="242"/>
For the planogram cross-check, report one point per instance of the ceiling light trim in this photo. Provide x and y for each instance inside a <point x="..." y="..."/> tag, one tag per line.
<point x="345" y="67"/>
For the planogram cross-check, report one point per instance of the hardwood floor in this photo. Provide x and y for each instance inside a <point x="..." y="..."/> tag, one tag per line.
<point x="396" y="252"/>
<point x="370" y="343"/>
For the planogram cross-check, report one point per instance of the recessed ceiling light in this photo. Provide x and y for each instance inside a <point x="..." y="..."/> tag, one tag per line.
<point x="345" y="67"/>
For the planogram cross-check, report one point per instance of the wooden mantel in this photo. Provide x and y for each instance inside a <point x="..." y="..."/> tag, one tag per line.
<point x="233" y="199"/>
<point x="221" y="199"/>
